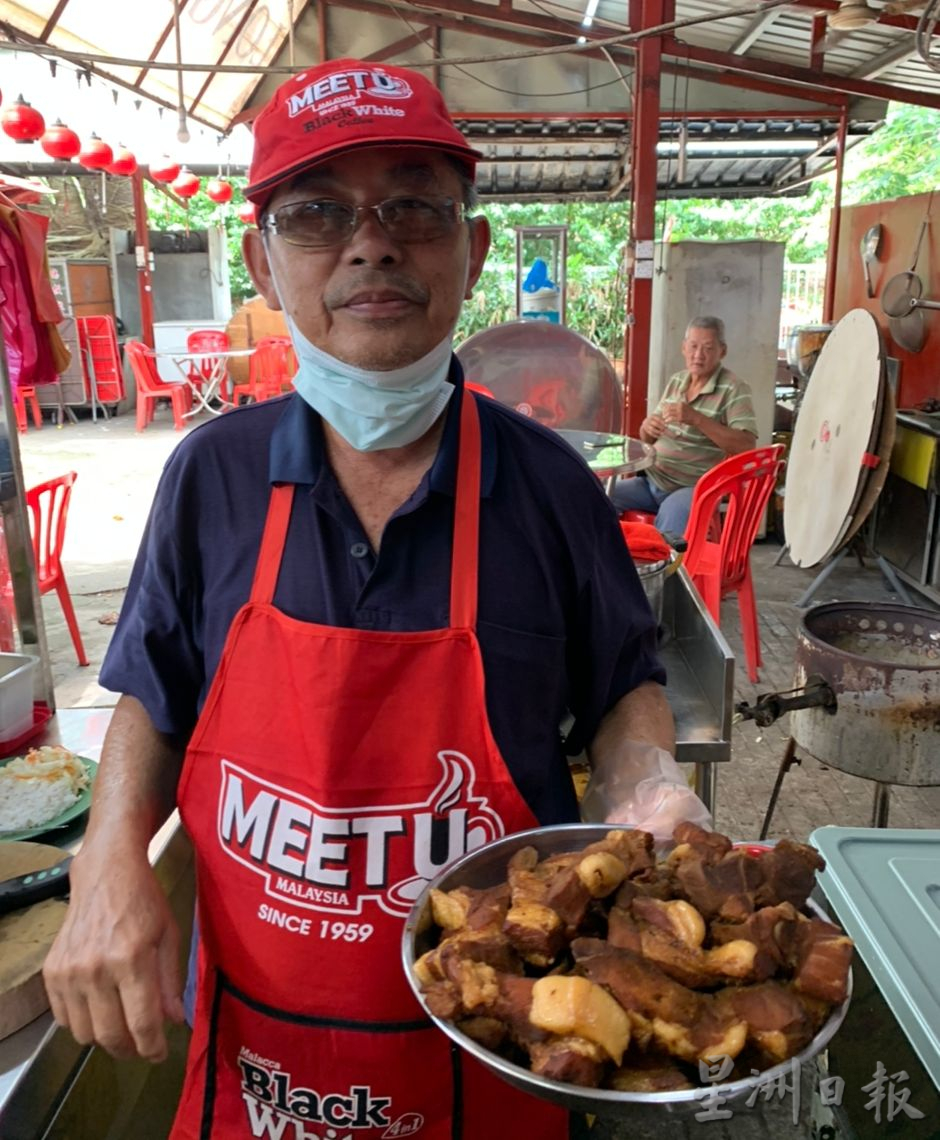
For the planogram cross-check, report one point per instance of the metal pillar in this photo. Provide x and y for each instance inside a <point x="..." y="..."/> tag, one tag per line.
<point x="835" y="221"/>
<point x="142" y="259"/>
<point x="15" y="534"/>
<point x="646" y="83"/>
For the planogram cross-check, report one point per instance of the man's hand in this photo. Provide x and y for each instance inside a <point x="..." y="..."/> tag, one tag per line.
<point x="112" y="975"/>
<point x="680" y="412"/>
<point x="652" y="428"/>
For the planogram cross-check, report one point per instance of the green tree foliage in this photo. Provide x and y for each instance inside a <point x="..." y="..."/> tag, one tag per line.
<point x="901" y="158"/>
<point x="597" y="237"/>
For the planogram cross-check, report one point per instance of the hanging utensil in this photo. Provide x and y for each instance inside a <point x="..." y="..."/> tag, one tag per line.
<point x="909" y="331"/>
<point x="902" y="295"/>
<point x="871" y="244"/>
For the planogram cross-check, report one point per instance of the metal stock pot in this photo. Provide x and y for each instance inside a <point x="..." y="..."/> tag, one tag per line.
<point x="882" y="663"/>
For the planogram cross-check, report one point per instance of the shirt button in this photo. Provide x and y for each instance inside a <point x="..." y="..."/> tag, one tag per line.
<point x="359" y="550"/>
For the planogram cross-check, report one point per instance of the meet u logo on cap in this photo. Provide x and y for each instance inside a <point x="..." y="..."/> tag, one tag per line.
<point x="345" y="87"/>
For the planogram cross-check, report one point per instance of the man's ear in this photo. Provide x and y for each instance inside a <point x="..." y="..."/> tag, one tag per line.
<point x="255" y="254"/>
<point x="479" y="247"/>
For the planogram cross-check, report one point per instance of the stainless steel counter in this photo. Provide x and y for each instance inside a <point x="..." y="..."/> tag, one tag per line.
<point x="41" y="1064"/>
<point x="700" y="682"/>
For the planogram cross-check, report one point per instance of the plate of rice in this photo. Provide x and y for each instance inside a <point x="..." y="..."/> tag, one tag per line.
<point x="48" y="788"/>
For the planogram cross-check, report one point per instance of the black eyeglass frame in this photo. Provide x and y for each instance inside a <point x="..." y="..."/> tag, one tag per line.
<point x="450" y="209"/>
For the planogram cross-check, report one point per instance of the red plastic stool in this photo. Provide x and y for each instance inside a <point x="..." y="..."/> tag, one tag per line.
<point x="638" y="516"/>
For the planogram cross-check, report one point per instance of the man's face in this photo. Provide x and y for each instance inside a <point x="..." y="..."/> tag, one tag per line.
<point x="702" y="352"/>
<point x="372" y="302"/>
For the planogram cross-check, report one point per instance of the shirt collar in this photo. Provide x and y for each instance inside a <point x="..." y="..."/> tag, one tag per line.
<point x="710" y="384"/>
<point x="298" y="451"/>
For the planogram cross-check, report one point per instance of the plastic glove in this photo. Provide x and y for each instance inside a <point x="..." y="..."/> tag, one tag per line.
<point x="642" y="785"/>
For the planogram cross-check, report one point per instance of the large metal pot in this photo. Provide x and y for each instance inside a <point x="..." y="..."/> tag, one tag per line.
<point x="882" y="661"/>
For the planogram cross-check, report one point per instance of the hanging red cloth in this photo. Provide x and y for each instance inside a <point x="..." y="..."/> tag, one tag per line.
<point x="36" y="349"/>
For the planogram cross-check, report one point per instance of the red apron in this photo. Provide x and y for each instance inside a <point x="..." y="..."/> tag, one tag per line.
<point x="331" y="774"/>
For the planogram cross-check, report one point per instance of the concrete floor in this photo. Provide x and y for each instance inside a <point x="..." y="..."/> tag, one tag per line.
<point x="118" y="471"/>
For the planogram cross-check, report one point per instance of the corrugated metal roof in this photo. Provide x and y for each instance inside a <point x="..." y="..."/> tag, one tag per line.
<point x="527" y="106"/>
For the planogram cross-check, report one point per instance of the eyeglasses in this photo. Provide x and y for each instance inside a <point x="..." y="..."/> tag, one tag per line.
<point x="324" y="222"/>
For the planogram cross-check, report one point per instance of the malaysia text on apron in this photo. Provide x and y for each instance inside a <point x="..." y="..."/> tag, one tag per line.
<point x="332" y="773"/>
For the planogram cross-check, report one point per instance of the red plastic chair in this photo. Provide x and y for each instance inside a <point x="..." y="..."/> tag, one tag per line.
<point x="201" y="371"/>
<point x="48" y="505"/>
<point x="21" y="397"/>
<point x="271" y="369"/>
<point x="744" y="483"/>
<point x="151" y="388"/>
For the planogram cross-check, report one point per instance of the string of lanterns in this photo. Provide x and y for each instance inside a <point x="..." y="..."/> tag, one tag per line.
<point x="24" y="124"/>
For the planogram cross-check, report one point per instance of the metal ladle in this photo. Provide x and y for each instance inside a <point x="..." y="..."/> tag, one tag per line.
<point x="870" y="245"/>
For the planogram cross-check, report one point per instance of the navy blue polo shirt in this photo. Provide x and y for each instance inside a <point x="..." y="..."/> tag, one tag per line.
<point x="564" y="626"/>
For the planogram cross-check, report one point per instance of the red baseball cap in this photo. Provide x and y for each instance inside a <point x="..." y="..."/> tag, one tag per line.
<point x="344" y="104"/>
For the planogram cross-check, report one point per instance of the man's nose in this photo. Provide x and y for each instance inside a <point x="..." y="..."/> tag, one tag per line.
<point x="370" y="242"/>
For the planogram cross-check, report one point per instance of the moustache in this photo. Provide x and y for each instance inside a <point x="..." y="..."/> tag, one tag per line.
<point x="342" y="294"/>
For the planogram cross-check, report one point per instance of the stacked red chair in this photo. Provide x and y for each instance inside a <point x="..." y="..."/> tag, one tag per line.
<point x="271" y="370"/>
<point x="731" y="498"/>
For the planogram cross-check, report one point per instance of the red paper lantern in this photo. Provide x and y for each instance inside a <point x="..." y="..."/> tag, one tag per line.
<point x="219" y="190"/>
<point x="59" y="142"/>
<point x="165" y="170"/>
<point x="96" y="154"/>
<point x="124" y="163"/>
<point x="185" y="184"/>
<point x="246" y="213"/>
<point x="22" y="122"/>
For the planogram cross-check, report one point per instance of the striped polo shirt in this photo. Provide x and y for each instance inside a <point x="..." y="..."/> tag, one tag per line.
<point x="683" y="453"/>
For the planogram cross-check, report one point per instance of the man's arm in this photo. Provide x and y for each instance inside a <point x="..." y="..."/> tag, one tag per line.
<point x="643" y="715"/>
<point x="112" y="974"/>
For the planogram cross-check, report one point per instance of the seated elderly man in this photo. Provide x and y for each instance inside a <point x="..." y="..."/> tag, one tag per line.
<point x="705" y="415"/>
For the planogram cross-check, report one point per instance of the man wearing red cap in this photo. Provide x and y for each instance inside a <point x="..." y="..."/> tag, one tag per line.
<point x="359" y="615"/>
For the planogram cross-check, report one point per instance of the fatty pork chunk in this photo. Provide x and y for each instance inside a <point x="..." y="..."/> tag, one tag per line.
<point x="730" y="883"/>
<point x="820" y="956"/>
<point x="779" y="1020"/>
<point x="472" y="928"/>
<point x="571" y="1029"/>
<point x="649" y="1073"/>
<point x="663" y="1013"/>
<point x="671" y="935"/>
<point x="551" y="898"/>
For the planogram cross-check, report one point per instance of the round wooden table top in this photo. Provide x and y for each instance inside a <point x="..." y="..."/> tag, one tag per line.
<point x="25" y="938"/>
<point x="836" y="433"/>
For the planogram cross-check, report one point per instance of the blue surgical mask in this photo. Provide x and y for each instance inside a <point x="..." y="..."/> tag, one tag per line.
<point x="373" y="411"/>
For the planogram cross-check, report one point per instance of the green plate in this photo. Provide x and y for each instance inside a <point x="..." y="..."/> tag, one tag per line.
<point x="63" y="819"/>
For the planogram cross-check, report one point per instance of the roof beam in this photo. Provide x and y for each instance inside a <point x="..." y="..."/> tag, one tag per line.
<point x="756" y="29"/>
<point x="52" y="21"/>
<point x="803" y="76"/>
<point x="400" y="46"/>
<point x="885" y="61"/>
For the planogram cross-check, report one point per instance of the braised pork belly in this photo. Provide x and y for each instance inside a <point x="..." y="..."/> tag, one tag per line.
<point x="604" y="968"/>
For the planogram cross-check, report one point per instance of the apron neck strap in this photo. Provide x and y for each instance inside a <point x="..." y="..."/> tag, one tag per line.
<point x="272" y="544"/>
<point x="465" y="554"/>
